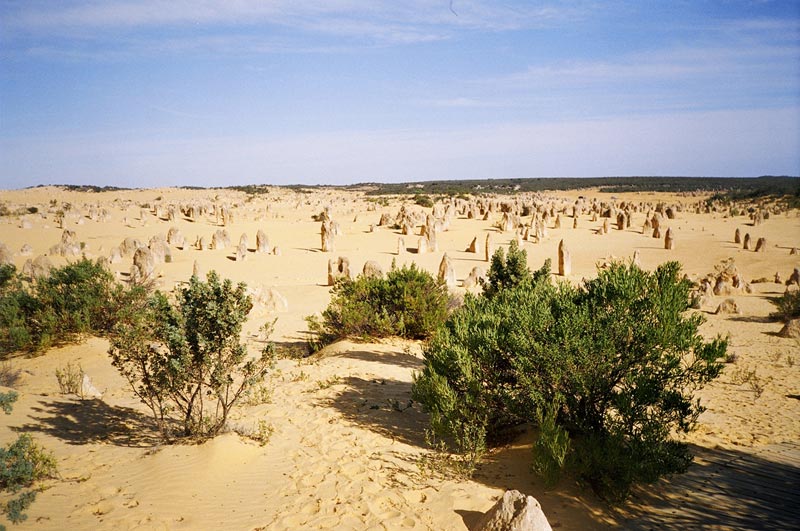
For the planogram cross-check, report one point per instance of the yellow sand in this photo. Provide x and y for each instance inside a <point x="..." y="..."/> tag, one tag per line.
<point x="341" y="455"/>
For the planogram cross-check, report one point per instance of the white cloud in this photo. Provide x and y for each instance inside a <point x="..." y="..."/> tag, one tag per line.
<point x="384" y="20"/>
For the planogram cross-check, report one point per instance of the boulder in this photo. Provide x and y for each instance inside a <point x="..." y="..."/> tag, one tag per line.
<point x="37" y="268"/>
<point x="262" y="242"/>
<point x="669" y="240"/>
<point x="474" y="277"/>
<point x="337" y="269"/>
<point x="514" y="512"/>
<point x="372" y="269"/>
<point x="791" y="329"/>
<point x="728" y="306"/>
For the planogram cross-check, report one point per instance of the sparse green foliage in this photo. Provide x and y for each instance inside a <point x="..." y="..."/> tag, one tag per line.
<point x="22" y="463"/>
<point x="552" y="446"/>
<point x="788" y="305"/>
<point x="183" y="359"/>
<point x="7" y="401"/>
<point x="409" y="303"/>
<point x="617" y="358"/>
<point x="70" y="378"/>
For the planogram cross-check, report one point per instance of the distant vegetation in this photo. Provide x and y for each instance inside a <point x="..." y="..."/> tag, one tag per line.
<point x="84" y="187"/>
<point x="757" y="186"/>
<point x="725" y="188"/>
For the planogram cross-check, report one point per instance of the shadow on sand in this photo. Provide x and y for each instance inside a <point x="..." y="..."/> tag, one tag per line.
<point x="92" y="421"/>
<point x="723" y="489"/>
<point x="385" y="407"/>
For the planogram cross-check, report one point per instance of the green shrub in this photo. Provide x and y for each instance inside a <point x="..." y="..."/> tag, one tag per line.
<point x="78" y="298"/>
<point x="73" y="299"/>
<point x="183" y="359"/>
<point x="408" y="303"/>
<point x="511" y="270"/>
<point x="22" y="463"/>
<point x="612" y="363"/>
<point x="423" y="200"/>
<point x="788" y="306"/>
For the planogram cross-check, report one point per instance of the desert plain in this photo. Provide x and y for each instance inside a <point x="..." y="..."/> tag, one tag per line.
<point x="346" y="443"/>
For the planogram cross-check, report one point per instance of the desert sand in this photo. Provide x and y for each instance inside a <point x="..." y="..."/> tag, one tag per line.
<point x="346" y="444"/>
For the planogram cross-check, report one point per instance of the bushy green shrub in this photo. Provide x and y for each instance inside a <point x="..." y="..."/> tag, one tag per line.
<point x="788" y="306"/>
<point x="506" y="271"/>
<point x="22" y="463"/>
<point x="409" y="302"/>
<point x="613" y="363"/>
<point x="423" y="200"/>
<point x="183" y="359"/>
<point x="78" y="298"/>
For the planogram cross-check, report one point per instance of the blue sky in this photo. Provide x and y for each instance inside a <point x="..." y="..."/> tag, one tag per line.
<point x="179" y="92"/>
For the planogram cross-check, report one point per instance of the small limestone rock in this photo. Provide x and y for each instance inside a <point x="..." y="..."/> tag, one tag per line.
<point x="564" y="260"/>
<point x="728" y="306"/>
<point x="446" y="272"/>
<point x="327" y="236"/>
<point x="669" y="240"/>
<point x="474" y="246"/>
<point x="241" y="252"/>
<point x="791" y="329"/>
<point x="39" y="267"/>
<point x="514" y="512"/>
<point x="339" y="268"/>
<point x="794" y="278"/>
<point x="372" y="269"/>
<point x="262" y="242"/>
<point x="88" y="390"/>
<point x="761" y="245"/>
<point x="474" y="277"/>
<point x="422" y="245"/>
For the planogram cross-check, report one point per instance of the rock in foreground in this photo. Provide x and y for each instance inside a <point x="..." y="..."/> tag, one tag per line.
<point x="514" y="512"/>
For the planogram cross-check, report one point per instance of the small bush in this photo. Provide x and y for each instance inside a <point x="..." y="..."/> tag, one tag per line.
<point x="22" y="463"/>
<point x="423" y="200"/>
<point x="511" y="270"/>
<point x="78" y="298"/>
<point x="183" y="359"/>
<point x="788" y="306"/>
<point x="616" y="359"/>
<point x="70" y="379"/>
<point x="408" y="303"/>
